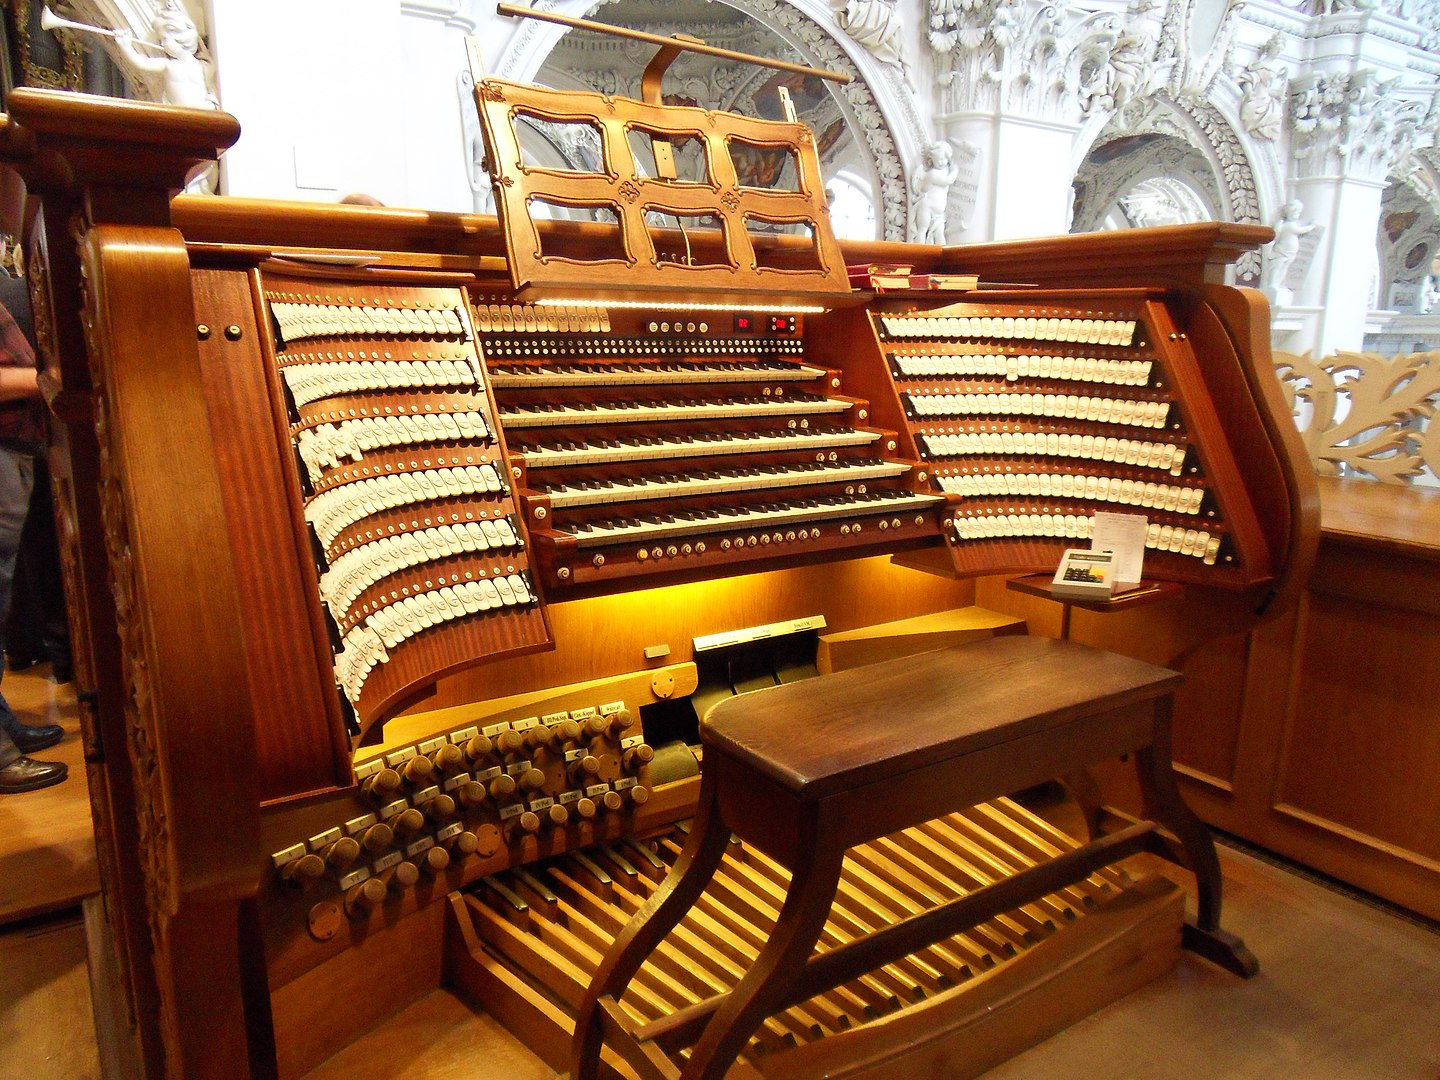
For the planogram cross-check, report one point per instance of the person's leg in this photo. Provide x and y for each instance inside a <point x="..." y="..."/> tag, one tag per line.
<point x="17" y="474"/>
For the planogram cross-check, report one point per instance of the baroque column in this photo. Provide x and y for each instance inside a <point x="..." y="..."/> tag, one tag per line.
<point x="1348" y="126"/>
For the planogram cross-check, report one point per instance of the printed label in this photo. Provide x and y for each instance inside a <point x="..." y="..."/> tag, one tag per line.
<point x="359" y="824"/>
<point x="289" y="855"/>
<point x="324" y="839"/>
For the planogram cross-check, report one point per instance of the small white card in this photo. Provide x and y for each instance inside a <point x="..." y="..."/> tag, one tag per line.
<point x="1124" y="535"/>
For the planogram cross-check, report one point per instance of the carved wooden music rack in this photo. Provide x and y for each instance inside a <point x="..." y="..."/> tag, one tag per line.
<point x="733" y="236"/>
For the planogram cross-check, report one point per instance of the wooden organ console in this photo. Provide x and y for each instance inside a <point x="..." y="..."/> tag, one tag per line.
<point x="377" y="564"/>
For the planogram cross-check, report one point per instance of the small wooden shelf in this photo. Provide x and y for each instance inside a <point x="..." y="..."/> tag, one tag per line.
<point x="1146" y="592"/>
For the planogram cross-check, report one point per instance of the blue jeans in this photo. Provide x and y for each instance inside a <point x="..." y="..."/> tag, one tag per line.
<point x="17" y="476"/>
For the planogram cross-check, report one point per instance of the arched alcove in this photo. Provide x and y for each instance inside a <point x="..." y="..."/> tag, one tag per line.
<point x="1181" y="162"/>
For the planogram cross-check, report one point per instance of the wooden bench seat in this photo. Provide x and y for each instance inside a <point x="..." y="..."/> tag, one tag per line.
<point x="806" y="770"/>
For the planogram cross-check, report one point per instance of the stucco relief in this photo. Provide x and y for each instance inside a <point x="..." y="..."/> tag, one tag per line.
<point x="1351" y="122"/>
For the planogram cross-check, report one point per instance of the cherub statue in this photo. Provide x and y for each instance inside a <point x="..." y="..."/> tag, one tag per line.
<point x="1283" y="249"/>
<point x="184" y="76"/>
<point x="932" y="192"/>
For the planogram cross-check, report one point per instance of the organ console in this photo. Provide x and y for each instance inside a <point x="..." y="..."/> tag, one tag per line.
<point x="376" y="557"/>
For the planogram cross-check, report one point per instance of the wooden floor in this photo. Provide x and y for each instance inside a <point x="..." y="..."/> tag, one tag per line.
<point x="47" y="851"/>
<point x="1346" y="991"/>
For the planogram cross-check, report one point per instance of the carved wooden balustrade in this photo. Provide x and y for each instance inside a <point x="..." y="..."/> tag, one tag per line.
<point x="1361" y="414"/>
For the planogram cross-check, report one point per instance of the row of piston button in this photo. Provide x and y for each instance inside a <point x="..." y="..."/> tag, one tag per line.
<point x="591" y="761"/>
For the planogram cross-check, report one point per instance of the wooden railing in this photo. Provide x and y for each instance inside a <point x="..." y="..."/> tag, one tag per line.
<point x="1363" y="415"/>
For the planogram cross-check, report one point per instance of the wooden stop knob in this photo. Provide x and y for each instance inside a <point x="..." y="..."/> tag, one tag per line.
<point x="584" y="808"/>
<point x="583" y="767"/>
<point x="526" y="822"/>
<point x="532" y="780"/>
<point x="408" y="821"/>
<point x="436" y="860"/>
<point x="638" y="756"/>
<point x="510" y="741"/>
<point x="597" y="725"/>
<point x="418" y="770"/>
<point x="471" y="793"/>
<point x="465" y="843"/>
<point x="382" y="786"/>
<point x="620" y="722"/>
<point x="404" y="875"/>
<point x="478" y="747"/>
<point x="611" y="800"/>
<point x="343" y="852"/>
<point x="639" y="795"/>
<point x="502" y="787"/>
<point x="440" y="807"/>
<point x="378" y="837"/>
<point x="303" y="870"/>
<point x="366" y="896"/>
<point x="448" y="758"/>
<point x="554" y="816"/>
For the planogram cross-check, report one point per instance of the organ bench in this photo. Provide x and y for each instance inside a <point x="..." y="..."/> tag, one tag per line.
<point x="806" y="771"/>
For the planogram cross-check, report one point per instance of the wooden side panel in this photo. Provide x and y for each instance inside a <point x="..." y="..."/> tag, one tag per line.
<point x="300" y="743"/>
<point x="187" y="692"/>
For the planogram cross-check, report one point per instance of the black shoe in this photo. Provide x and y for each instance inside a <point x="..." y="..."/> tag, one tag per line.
<point x="26" y="774"/>
<point x="32" y="738"/>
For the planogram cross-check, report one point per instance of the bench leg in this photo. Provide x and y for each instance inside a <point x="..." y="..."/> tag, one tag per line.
<point x="1166" y="805"/>
<point x="1086" y="793"/>
<point x="642" y="935"/>
<point x="764" y="987"/>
